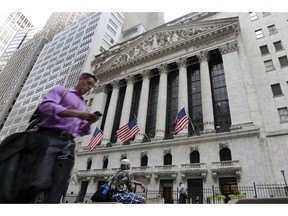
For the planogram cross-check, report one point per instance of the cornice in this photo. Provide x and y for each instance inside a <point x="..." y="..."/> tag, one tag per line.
<point x="167" y="144"/>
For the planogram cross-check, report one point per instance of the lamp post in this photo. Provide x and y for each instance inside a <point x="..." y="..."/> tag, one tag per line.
<point x="286" y="188"/>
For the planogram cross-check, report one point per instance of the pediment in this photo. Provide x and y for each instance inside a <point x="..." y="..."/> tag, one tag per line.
<point x="164" y="40"/>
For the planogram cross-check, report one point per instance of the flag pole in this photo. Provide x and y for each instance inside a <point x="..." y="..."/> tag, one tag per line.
<point x="190" y="120"/>
<point x="142" y="128"/>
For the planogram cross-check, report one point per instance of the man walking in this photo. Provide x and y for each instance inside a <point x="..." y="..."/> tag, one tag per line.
<point x="183" y="193"/>
<point x="64" y="115"/>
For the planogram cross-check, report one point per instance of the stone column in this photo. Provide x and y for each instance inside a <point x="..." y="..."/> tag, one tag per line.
<point x="111" y="113"/>
<point x="99" y="101"/>
<point x="183" y="91"/>
<point x="161" y="103"/>
<point x="237" y="96"/>
<point x="98" y="104"/>
<point x="127" y="103"/>
<point x="143" y="105"/>
<point x="206" y="94"/>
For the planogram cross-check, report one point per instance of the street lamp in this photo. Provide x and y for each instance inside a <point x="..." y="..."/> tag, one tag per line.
<point x="286" y="188"/>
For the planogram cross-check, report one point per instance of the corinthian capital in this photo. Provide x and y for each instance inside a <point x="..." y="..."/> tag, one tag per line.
<point x="229" y="47"/>
<point x="145" y="74"/>
<point x="202" y="56"/>
<point x="129" y="79"/>
<point x="115" y="84"/>
<point x="181" y="62"/>
<point x="163" y="68"/>
<point x="100" y="88"/>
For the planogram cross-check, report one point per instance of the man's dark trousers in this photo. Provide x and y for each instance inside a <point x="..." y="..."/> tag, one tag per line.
<point x="54" y="170"/>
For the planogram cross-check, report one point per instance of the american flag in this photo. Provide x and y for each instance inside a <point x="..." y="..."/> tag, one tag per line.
<point x="181" y="121"/>
<point x="96" y="139"/>
<point x="128" y="131"/>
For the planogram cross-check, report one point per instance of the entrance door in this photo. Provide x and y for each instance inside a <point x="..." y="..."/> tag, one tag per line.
<point x="84" y="185"/>
<point x="167" y="187"/>
<point x="195" y="190"/>
<point x="228" y="186"/>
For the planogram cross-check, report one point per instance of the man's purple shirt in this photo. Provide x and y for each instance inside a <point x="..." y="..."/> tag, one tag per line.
<point x="52" y="105"/>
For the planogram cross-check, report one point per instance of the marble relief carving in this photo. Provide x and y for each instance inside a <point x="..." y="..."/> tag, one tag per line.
<point x="165" y="40"/>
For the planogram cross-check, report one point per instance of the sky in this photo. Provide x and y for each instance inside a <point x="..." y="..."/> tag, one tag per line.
<point x="38" y="11"/>
<point x="38" y="19"/>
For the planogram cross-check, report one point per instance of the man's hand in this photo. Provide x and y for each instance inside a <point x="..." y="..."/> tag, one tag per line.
<point x="91" y="117"/>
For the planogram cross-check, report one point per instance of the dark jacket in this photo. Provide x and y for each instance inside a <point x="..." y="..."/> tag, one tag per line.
<point x="20" y="154"/>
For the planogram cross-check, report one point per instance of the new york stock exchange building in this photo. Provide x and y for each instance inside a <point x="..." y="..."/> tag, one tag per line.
<point x="229" y="72"/>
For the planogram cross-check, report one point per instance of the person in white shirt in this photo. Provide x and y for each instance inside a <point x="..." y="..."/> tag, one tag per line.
<point x="182" y="193"/>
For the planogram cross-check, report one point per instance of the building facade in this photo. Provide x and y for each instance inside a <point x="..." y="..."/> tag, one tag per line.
<point x="229" y="72"/>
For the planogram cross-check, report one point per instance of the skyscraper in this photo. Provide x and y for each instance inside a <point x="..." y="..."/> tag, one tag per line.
<point x="20" y="37"/>
<point x="10" y="23"/>
<point x="58" y="62"/>
<point x="20" y="64"/>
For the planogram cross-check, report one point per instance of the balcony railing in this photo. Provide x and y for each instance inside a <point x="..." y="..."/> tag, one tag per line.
<point x="194" y="169"/>
<point x="165" y="171"/>
<point x="103" y="173"/>
<point x="224" y="165"/>
<point x="232" y="167"/>
<point x="144" y="171"/>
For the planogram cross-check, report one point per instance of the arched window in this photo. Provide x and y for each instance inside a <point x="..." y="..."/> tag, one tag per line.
<point x="89" y="163"/>
<point x="105" y="163"/>
<point x="225" y="154"/>
<point x="194" y="157"/>
<point x="144" y="161"/>
<point x="168" y="159"/>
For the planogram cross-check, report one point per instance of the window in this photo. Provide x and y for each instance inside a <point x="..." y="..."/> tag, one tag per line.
<point x="194" y="157"/>
<point x="111" y="30"/>
<point x="219" y="93"/>
<point x="264" y="49"/>
<point x="225" y="154"/>
<point x="89" y="163"/>
<point x="172" y="99"/>
<point x="278" y="45"/>
<point x="276" y="89"/>
<point x="144" y="161"/>
<point x="259" y="34"/>
<point x="168" y="159"/>
<point x="194" y="96"/>
<point x="283" y="61"/>
<point x="105" y="163"/>
<point x="283" y="114"/>
<point x="253" y="16"/>
<point x="272" y="29"/>
<point x="113" y="24"/>
<point x="152" y="105"/>
<point x="269" y="66"/>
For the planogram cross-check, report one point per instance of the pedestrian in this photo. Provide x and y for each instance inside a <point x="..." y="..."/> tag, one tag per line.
<point x="123" y="185"/>
<point x="182" y="193"/>
<point x="64" y="115"/>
